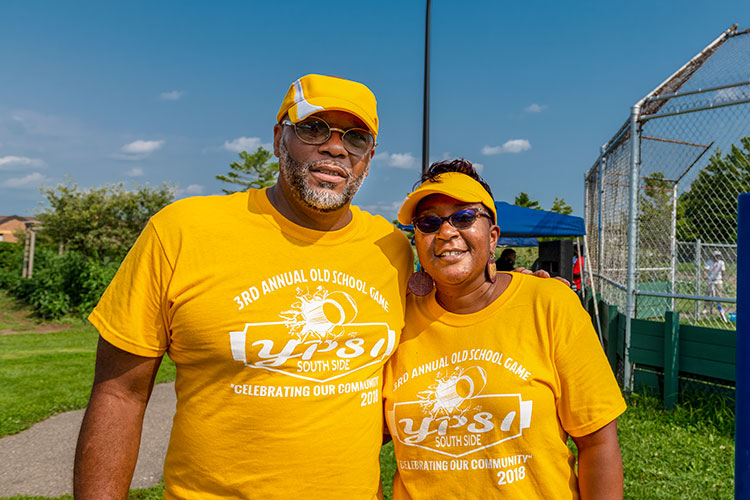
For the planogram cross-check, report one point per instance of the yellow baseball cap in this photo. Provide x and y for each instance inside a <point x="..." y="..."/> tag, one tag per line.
<point x="454" y="184"/>
<point x="314" y="93"/>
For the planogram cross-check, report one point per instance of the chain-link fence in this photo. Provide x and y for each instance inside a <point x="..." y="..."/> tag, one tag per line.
<point x="661" y="199"/>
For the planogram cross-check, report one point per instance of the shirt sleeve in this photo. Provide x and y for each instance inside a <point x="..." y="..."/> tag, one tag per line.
<point x="590" y="397"/>
<point x="131" y="313"/>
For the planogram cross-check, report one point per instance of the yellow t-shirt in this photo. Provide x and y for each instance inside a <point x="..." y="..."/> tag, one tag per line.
<point x="279" y="334"/>
<point x="480" y="405"/>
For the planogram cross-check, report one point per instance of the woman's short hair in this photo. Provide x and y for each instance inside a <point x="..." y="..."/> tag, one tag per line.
<point x="459" y="165"/>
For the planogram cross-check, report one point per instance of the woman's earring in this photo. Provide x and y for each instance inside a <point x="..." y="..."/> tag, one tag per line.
<point x="491" y="269"/>
<point x="420" y="283"/>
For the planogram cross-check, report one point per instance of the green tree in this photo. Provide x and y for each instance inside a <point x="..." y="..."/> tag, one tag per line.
<point x="710" y="205"/>
<point x="561" y="207"/>
<point x="100" y="222"/>
<point x="655" y="218"/>
<point x="523" y="200"/>
<point x="255" y="171"/>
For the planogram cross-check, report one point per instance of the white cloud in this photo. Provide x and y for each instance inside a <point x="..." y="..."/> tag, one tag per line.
<point x="39" y="125"/>
<point x="478" y="167"/>
<point x="384" y="208"/>
<point x="19" y="162"/>
<point x="535" y="108"/>
<point x="33" y="180"/>
<point x="249" y="144"/>
<point x="402" y="160"/>
<point x="142" y="147"/>
<point x="516" y="146"/>
<point x="174" y="95"/>
<point x="191" y="190"/>
<point x="397" y="160"/>
<point x="134" y="172"/>
<point x="512" y="146"/>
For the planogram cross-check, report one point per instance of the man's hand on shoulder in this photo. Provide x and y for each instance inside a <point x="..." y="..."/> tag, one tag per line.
<point x="541" y="273"/>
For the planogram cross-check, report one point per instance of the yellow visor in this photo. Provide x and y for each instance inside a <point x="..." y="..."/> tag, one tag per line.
<point x="454" y="184"/>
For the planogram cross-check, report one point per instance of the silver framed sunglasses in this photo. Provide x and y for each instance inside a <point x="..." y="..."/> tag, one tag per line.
<point x="463" y="219"/>
<point x="314" y="130"/>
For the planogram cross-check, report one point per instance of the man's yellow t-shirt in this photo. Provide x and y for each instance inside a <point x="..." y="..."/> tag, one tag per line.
<point x="279" y="334"/>
<point x="480" y="405"/>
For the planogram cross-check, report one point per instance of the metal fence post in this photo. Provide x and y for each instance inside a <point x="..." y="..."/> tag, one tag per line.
<point x="742" y="401"/>
<point x="30" y="272"/>
<point x="26" y="245"/>
<point x="600" y="241"/>
<point x="698" y="269"/>
<point x="671" y="358"/>
<point x="632" y="241"/>
<point x="673" y="245"/>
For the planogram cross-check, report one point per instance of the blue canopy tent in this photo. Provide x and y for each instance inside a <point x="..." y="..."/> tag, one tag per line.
<point x="517" y="241"/>
<point x="523" y="225"/>
<point x="515" y="221"/>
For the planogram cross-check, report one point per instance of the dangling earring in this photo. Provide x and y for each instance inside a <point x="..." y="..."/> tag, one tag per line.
<point x="491" y="269"/>
<point x="420" y="282"/>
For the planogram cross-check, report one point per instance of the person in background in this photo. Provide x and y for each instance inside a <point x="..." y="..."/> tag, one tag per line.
<point x="714" y="273"/>
<point x="577" y="269"/>
<point x="494" y="370"/>
<point x="507" y="260"/>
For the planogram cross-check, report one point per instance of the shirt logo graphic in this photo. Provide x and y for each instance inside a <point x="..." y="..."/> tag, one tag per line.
<point x="320" y="315"/>
<point x="321" y="340"/>
<point x="454" y="418"/>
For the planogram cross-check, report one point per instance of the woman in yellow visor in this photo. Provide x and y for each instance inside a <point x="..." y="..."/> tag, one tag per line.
<point x="494" y="370"/>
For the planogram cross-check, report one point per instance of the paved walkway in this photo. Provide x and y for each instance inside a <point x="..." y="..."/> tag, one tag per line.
<point x="39" y="461"/>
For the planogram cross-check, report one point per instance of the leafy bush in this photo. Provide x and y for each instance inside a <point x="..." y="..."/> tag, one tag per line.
<point x="11" y="256"/>
<point x="60" y="285"/>
<point x="99" y="222"/>
<point x="95" y="227"/>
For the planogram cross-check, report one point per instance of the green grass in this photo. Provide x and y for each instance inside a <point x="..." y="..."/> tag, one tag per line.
<point x="43" y="374"/>
<point x="153" y="493"/>
<point x="13" y="315"/>
<point x="387" y="469"/>
<point x="686" y="453"/>
<point x="49" y="373"/>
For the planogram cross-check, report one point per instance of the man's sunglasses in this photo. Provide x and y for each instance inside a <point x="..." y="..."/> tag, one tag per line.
<point x="463" y="219"/>
<point x="313" y="130"/>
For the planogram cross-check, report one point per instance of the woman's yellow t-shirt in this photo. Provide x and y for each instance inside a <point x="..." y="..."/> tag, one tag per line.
<point x="480" y="405"/>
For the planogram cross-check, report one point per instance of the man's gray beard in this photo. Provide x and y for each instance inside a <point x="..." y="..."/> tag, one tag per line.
<point x="322" y="199"/>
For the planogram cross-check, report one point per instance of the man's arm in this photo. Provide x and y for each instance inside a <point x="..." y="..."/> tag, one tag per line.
<point x="600" y="464"/>
<point x="111" y="430"/>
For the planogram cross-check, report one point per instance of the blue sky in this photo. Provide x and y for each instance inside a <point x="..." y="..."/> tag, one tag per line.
<point x="170" y="91"/>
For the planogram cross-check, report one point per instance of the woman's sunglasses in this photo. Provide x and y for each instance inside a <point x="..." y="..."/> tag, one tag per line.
<point x="313" y="130"/>
<point x="463" y="219"/>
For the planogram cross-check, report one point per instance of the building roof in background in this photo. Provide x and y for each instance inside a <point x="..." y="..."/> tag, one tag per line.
<point x="22" y="218"/>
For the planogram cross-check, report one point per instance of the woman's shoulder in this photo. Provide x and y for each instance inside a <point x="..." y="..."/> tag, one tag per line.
<point x="547" y="290"/>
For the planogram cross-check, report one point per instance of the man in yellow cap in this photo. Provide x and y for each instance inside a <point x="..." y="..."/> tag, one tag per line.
<point x="279" y="308"/>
